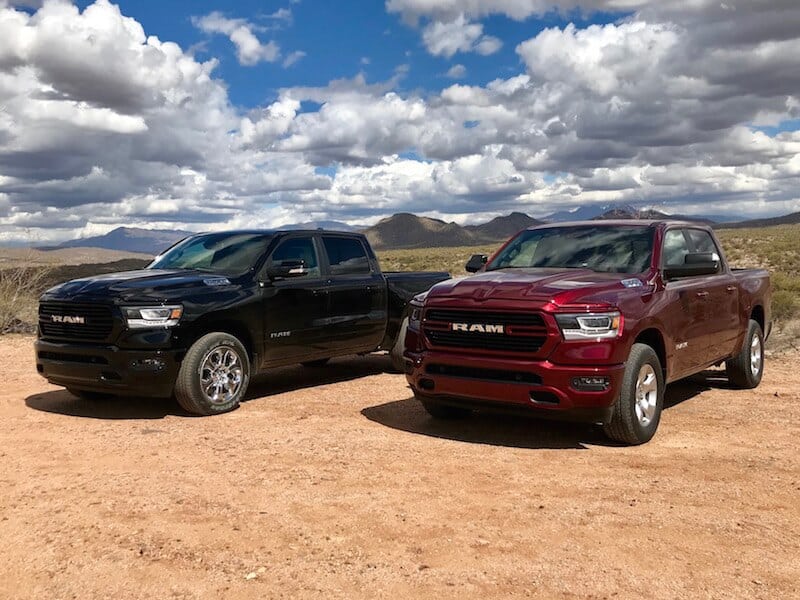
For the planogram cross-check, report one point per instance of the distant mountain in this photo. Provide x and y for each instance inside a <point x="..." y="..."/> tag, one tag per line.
<point x="330" y="225"/>
<point x="502" y="228"/>
<point x="129" y="239"/>
<point x="647" y="213"/>
<point x="790" y="219"/>
<point x="588" y="213"/>
<point x="405" y="230"/>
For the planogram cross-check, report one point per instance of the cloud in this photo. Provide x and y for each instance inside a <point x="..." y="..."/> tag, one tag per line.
<point x="249" y="49"/>
<point x="662" y="106"/>
<point x="292" y="58"/>
<point x="456" y="72"/>
<point x="458" y="35"/>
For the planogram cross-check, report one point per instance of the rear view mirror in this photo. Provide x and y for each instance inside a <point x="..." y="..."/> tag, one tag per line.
<point x="694" y="265"/>
<point x="286" y="269"/>
<point x="476" y="263"/>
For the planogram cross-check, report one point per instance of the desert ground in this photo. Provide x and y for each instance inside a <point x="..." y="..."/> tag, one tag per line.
<point x="334" y="483"/>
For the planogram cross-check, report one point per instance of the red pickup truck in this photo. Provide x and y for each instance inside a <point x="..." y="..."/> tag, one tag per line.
<point x="587" y="321"/>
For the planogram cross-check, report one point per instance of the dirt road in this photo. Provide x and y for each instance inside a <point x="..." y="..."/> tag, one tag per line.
<point x="333" y="483"/>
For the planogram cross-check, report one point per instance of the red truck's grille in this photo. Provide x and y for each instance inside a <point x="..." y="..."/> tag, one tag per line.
<point x="480" y="330"/>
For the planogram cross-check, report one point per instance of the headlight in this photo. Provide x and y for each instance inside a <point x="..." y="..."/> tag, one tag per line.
<point x="145" y="317"/>
<point x="587" y="326"/>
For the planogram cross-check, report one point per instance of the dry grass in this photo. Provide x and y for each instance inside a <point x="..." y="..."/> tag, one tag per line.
<point x="19" y="291"/>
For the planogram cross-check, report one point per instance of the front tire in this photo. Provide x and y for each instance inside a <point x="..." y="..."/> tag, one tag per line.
<point x="637" y="411"/>
<point x="214" y="375"/>
<point x="747" y="367"/>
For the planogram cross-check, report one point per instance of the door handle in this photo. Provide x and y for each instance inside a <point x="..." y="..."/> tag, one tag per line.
<point x="730" y="288"/>
<point x="320" y="292"/>
<point x="702" y="294"/>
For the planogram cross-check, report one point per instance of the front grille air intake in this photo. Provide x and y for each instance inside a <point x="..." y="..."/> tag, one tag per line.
<point x="97" y="324"/>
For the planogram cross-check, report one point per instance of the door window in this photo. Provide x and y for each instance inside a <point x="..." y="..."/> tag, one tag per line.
<point x="703" y="242"/>
<point x="346" y="256"/>
<point x="300" y="248"/>
<point x="675" y="248"/>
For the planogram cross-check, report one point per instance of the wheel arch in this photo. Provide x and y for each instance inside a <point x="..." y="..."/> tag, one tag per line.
<point x="757" y="315"/>
<point x="655" y="339"/>
<point x="231" y="326"/>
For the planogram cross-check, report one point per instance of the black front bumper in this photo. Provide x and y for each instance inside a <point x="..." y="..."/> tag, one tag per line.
<point x="144" y="373"/>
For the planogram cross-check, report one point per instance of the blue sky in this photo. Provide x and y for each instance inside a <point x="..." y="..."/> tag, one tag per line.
<point x="268" y="113"/>
<point x="337" y="37"/>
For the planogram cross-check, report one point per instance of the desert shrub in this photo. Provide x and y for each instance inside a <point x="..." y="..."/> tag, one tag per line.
<point x="19" y="292"/>
<point x="784" y="305"/>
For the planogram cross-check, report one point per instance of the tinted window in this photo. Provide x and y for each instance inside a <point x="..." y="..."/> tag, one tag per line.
<point x="608" y="249"/>
<point x="298" y="249"/>
<point x="346" y="255"/>
<point x="702" y="241"/>
<point x="228" y="253"/>
<point x="675" y="248"/>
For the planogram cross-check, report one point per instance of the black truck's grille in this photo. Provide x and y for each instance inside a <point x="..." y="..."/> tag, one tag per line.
<point x="75" y="321"/>
<point x="518" y="331"/>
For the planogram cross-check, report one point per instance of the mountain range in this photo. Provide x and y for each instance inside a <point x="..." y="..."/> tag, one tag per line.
<point x="406" y="230"/>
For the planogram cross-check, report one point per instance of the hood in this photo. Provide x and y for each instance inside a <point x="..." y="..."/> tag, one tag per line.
<point x="559" y="286"/>
<point x="151" y="284"/>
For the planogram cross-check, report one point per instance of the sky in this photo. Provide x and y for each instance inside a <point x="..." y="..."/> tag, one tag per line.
<point x="212" y="115"/>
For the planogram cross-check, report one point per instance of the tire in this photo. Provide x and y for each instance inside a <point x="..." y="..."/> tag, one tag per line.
<point x="443" y="411"/>
<point x="396" y="353"/>
<point x="214" y="375"/>
<point x="91" y="396"/>
<point x="320" y="362"/>
<point x="637" y="412"/>
<point x="747" y="367"/>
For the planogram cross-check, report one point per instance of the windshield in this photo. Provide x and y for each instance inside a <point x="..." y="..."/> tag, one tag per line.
<point x="607" y="249"/>
<point x="226" y="253"/>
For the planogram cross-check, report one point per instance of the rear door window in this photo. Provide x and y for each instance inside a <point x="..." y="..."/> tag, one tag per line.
<point x="346" y="256"/>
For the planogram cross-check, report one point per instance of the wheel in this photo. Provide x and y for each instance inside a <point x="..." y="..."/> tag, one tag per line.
<point x="638" y="409"/>
<point x="88" y="395"/>
<point x="443" y="411"/>
<point x="213" y="376"/>
<point x="321" y="362"/>
<point x="746" y="368"/>
<point x="396" y="353"/>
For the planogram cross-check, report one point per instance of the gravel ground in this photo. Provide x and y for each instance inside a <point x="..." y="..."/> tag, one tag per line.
<point x="333" y="482"/>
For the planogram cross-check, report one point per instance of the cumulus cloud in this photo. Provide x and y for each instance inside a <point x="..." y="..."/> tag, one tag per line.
<point x="458" y="35"/>
<point x="456" y="72"/>
<point x="249" y="49"/>
<point x="664" y="106"/>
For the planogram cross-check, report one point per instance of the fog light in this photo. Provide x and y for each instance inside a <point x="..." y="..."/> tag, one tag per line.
<point x="147" y="364"/>
<point x="590" y="384"/>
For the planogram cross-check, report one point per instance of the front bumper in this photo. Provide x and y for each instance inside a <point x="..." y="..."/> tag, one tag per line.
<point x="539" y="387"/>
<point x="148" y="373"/>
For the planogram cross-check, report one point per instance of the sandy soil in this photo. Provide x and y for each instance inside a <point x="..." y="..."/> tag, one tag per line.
<point x="333" y="483"/>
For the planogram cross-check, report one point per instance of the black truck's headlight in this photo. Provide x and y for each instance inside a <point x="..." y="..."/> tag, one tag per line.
<point x="588" y="326"/>
<point x="149" y="317"/>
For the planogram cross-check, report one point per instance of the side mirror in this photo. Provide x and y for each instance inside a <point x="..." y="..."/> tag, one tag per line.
<point x="694" y="265"/>
<point x="287" y="269"/>
<point x="476" y="263"/>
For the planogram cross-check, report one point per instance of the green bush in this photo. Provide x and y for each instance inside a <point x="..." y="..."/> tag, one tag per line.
<point x="784" y="305"/>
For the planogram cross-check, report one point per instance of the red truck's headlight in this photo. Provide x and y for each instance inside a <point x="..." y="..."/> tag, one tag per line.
<point x="588" y="326"/>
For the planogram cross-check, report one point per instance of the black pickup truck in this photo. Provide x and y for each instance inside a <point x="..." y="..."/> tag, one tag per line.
<point x="217" y="308"/>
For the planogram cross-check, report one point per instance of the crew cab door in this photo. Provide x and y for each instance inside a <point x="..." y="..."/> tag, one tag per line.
<point x="722" y="301"/>
<point x="357" y="294"/>
<point x="686" y="310"/>
<point x="295" y="307"/>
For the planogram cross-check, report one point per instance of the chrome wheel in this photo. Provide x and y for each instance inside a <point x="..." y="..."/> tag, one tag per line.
<point x="755" y="355"/>
<point x="221" y="374"/>
<point x="646" y="395"/>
